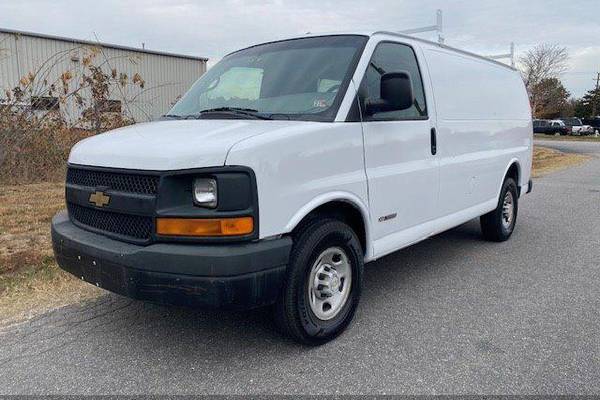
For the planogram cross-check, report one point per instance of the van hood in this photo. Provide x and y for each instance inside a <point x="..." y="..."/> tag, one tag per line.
<point x="169" y="145"/>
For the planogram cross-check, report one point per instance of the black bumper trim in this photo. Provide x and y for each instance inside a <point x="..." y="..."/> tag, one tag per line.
<point x="238" y="276"/>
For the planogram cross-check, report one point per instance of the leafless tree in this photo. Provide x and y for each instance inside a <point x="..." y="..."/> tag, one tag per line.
<point x="540" y="64"/>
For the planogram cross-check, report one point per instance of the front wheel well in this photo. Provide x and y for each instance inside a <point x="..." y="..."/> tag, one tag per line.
<point x="343" y="211"/>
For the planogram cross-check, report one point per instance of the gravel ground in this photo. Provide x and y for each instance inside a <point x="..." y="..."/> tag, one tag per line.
<point x="454" y="315"/>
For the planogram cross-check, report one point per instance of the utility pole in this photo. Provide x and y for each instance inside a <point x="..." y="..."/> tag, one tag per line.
<point x="596" y="97"/>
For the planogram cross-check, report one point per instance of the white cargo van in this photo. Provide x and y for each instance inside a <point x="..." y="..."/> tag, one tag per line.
<point x="288" y="166"/>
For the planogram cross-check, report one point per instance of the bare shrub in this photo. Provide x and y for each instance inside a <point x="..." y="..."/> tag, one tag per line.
<point x="41" y="118"/>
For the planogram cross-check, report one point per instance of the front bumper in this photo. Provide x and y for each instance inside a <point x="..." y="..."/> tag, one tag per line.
<point x="232" y="276"/>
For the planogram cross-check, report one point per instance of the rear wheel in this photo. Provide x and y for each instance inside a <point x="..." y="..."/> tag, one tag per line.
<point x="324" y="282"/>
<point x="499" y="224"/>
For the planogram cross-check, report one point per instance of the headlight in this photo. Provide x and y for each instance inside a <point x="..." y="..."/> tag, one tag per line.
<point x="205" y="192"/>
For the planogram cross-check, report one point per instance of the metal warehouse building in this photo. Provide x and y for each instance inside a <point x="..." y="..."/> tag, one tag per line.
<point x="166" y="76"/>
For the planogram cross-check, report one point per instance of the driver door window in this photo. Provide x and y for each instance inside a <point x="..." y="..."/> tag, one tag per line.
<point x="393" y="57"/>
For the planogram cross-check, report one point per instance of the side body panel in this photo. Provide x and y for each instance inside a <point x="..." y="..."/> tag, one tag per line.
<point x="484" y="125"/>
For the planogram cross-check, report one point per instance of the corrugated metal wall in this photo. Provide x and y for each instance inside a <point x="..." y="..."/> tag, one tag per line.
<point x="166" y="76"/>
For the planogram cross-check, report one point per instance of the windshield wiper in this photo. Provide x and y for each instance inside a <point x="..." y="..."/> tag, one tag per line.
<point x="234" y="110"/>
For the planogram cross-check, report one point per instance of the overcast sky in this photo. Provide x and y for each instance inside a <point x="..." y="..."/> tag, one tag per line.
<point x="213" y="28"/>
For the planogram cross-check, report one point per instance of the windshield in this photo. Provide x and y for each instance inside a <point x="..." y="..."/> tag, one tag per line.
<point x="301" y="79"/>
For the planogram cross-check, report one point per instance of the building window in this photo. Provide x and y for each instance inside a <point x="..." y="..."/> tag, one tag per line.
<point x="44" y="103"/>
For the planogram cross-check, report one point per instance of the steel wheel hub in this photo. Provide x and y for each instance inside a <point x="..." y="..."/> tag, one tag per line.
<point x="508" y="210"/>
<point x="329" y="283"/>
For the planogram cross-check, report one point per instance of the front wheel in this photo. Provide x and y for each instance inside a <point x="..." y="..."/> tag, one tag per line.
<point x="499" y="224"/>
<point x="323" y="284"/>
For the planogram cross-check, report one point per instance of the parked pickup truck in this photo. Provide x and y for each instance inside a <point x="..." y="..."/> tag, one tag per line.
<point x="291" y="164"/>
<point x="577" y="127"/>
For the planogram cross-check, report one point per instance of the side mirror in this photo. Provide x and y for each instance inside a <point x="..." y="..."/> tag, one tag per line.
<point x="396" y="94"/>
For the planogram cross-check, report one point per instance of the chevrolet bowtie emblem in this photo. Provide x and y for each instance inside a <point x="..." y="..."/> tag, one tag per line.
<point x="99" y="199"/>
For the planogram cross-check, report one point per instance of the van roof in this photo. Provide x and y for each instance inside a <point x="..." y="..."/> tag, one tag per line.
<point x="401" y="35"/>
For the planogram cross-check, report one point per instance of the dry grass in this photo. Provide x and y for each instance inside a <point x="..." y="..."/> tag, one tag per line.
<point x="549" y="160"/>
<point x="30" y="280"/>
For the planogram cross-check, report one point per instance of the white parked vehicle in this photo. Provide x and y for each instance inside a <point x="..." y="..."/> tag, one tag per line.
<point x="577" y="127"/>
<point x="289" y="165"/>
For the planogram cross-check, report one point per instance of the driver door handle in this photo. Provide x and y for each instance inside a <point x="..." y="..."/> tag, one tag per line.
<point x="433" y="142"/>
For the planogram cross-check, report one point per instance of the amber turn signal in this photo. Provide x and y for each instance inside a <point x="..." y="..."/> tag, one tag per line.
<point x="204" y="227"/>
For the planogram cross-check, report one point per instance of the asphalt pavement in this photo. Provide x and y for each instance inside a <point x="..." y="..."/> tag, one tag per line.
<point x="451" y="315"/>
<point x="571" y="146"/>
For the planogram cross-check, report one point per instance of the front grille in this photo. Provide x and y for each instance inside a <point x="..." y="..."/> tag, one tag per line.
<point x="132" y="226"/>
<point x="120" y="182"/>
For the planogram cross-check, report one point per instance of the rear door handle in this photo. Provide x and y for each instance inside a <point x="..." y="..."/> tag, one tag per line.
<point x="433" y="141"/>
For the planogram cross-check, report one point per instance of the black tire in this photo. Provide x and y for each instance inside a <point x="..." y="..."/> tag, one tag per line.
<point x="293" y="313"/>
<point x="492" y="225"/>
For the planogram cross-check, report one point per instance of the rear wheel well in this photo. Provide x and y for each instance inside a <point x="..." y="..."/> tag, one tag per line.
<point x="342" y="211"/>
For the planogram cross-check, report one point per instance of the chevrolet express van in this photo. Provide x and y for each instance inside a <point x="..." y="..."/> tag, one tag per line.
<point x="291" y="164"/>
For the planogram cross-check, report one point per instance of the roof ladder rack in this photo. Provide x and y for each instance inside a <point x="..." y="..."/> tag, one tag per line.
<point x="438" y="27"/>
<point x="510" y="55"/>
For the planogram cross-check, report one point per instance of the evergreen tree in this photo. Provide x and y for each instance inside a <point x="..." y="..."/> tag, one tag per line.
<point x="585" y="106"/>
